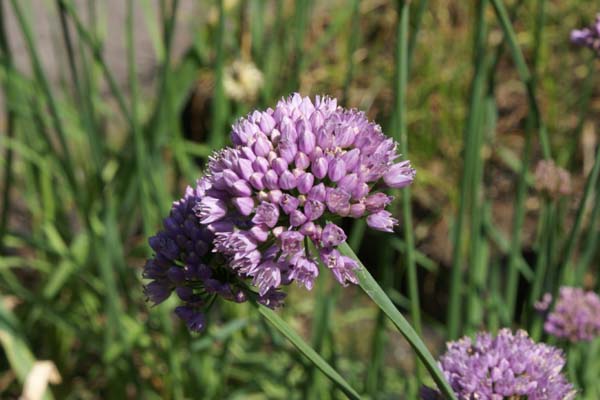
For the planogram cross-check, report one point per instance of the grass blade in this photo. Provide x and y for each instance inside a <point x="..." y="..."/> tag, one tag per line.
<point x="402" y="67"/>
<point x="353" y="39"/>
<point x="519" y="214"/>
<point x="219" y="106"/>
<point x="7" y="177"/>
<point x="524" y="73"/>
<point x="96" y="49"/>
<point x="305" y="349"/>
<point x="45" y="87"/>
<point x="95" y="142"/>
<point x="417" y="20"/>
<point x="468" y="186"/>
<point x="590" y="245"/>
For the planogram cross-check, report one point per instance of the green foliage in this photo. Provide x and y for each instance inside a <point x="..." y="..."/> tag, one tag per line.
<point x="92" y="158"/>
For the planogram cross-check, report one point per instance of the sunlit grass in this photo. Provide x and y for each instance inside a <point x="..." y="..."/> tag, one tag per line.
<point x="475" y="92"/>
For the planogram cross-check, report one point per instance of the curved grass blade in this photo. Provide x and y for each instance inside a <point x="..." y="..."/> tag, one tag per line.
<point x="524" y="73"/>
<point x="10" y="116"/>
<point x="376" y="293"/>
<point x="402" y="69"/>
<point x="305" y="349"/>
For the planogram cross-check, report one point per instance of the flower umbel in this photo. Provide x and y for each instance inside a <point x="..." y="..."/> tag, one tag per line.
<point x="576" y="315"/>
<point x="588" y="36"/>
<point x="508" y="366"/>
<point x="294" y="169"/>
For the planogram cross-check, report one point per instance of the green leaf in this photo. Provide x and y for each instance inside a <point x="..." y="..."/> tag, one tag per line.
<point x="376" y="293"/>
<point x="305" y="349"/>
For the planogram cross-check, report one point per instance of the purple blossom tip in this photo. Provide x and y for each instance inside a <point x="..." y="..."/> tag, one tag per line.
<point x="194" y="319"/>
<point x="382" y="221"/>
<point x="399" y="175"/>
<point x="210" y="209"/>
<point x="588" y="37"/>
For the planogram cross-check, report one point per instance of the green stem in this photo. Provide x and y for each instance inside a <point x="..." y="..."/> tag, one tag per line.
<point x="583" y="105"/>
<point x="139" y="145"/>
<point x="575" y="231"/>
<point x="324" y="302"/>
<point x="519" y="214"/>
<point x="163" y="105"/>
<point x="352" y="44"/>
<point x="378" y="342"/>
<point x="376" y="293"/>
<point x="301" y="17"/>
<point x="468" y="195"/>
<point x="517" y="227"/>
<point x="524" y="74"/>
<point x="590" y="246"/>
<point x="96" y="49"/>
<point x="402" y="83"/>
<point x="306" y="350"/>
<point x="219" y="106"/>
<point x="417" y="19"/>
<point x="10" y="129"/>
<point x="477" y="125"/>
<point x="95" y="143"/>
<point x="47" y="92"/>
<point x="541" y="266"/>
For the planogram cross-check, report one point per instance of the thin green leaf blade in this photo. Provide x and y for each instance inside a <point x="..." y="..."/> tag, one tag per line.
<point x="308" y="351"/>
<point x="376" y="293"/>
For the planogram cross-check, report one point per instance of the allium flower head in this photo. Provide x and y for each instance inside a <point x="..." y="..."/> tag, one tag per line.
<point x="552" y="180"/>
<point x="508" y="366"/>
<point x="576" y="315"/>
<point x="183" y="263"/>
<point x="292" y="170"/>
<point x="588" y="37"/>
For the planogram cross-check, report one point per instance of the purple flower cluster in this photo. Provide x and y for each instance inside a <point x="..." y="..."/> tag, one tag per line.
<point x="576" y="315"/>
<point x="588" y="37"/>
<point x="292" y="171"/>
<point x="183" y="263"/>
<point x="262" y="212"/>
<point x="508" y="366"/>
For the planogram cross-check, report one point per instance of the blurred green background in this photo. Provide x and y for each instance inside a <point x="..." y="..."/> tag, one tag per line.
<point x="111" y="107"/>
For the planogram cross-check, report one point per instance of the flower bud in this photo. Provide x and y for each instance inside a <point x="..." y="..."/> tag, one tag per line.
<point x="319" y="168"/>
<point x="305" y="182"/>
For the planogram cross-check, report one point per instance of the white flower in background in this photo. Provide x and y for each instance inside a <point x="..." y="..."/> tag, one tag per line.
<point x="242" y="81"/>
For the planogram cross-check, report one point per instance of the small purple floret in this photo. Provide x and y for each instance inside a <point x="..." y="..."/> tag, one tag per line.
<point x="588" y="37"/>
